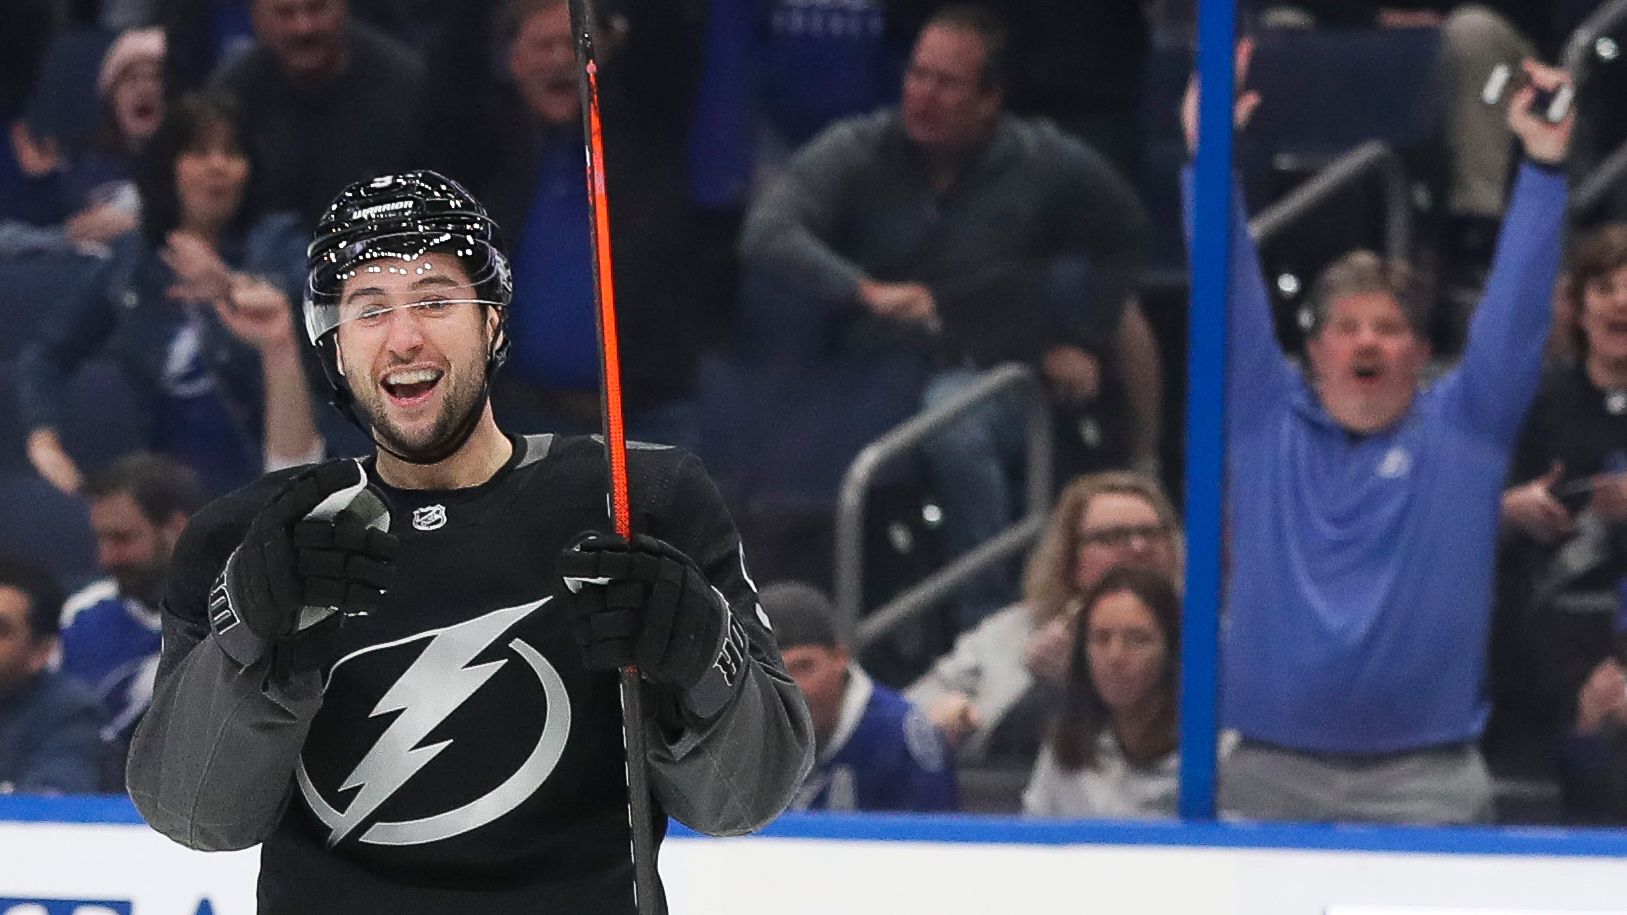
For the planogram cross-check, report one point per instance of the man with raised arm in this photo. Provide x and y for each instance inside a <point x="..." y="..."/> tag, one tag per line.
<point x="1363" y="515"/>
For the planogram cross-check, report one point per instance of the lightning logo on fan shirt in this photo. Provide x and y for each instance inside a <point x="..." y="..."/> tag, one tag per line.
<point x="433" y="687"/>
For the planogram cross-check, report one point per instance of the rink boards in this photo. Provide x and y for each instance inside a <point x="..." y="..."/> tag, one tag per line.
<point x="91" y="857"/>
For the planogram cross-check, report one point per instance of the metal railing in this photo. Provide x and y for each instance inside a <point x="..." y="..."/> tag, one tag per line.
<point x="856" y="484"/>
<point x="1370" y="158"/>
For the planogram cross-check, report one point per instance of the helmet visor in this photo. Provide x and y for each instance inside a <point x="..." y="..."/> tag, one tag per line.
<point x="368" y="280"/>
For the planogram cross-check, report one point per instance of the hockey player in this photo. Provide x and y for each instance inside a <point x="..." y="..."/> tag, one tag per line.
<point x="399" y="674"/>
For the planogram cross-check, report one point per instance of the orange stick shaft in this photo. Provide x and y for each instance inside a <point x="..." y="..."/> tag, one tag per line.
<point x="615" y="432"/>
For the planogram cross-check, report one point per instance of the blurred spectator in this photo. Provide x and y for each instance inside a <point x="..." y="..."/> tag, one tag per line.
<point x="110" y="630"/>
<point x="519" y="145"/>
<point x="1567" y="546"/>
<point x="994" y="694"/>
<point x="1111" y="751"/>
<point x="779" y="71"/>
<point x="326" y="101"/>
<point x="876" y="751"/>
<point x="206" y="36"/>
<point x="966" y="237"/>
<point x="48" y="722"/>
<point x="212" y="349"/>
<point x="1363" y="518"/>
<point x="82" y="201"/>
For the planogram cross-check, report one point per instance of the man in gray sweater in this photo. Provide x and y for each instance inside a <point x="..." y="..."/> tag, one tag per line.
<point x="950" y="229"/>
<point x="326" y="101"/>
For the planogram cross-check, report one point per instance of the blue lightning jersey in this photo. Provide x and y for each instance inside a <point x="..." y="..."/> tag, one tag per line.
<point x="110" y="645"/>
<point x="884" y="755"/>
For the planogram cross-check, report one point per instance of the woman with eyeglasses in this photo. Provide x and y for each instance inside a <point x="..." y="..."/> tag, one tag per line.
<point x="1111" y="751"/>
<point x="995" y="692"/>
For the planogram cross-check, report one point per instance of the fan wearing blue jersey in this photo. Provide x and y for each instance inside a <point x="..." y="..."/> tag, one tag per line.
<point x="875" y="750"/>
<point x="110" y="629"/>
<point x="1364" y="517"/>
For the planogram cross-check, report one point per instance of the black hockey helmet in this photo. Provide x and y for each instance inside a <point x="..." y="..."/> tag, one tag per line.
<point x="402" y="217"/>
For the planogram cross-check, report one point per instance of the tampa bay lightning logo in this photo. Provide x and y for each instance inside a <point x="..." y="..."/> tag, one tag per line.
<point x="1397" y="463"/>
<point x="439" y="681"/>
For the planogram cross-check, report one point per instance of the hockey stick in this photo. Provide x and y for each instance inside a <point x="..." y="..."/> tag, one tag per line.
<point x="615" y="440"/>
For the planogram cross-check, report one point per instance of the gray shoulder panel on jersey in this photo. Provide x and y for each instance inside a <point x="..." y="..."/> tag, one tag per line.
<point x="634" y="445"/>
<point x="536" y="448"/>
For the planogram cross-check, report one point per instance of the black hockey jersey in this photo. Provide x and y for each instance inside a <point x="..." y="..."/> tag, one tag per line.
<point x="452" y="754"/>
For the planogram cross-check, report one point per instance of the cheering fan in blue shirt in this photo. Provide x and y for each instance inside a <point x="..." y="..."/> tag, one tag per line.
<point x="1364" y="513"/>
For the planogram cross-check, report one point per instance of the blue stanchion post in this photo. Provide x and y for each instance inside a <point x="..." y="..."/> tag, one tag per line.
<point x="1206" y="403"/>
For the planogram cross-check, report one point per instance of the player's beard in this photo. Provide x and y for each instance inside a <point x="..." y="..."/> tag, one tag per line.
<point x="463" y="394"/>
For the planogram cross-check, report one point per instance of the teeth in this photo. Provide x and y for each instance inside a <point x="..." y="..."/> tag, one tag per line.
<point x="415" y="376"/>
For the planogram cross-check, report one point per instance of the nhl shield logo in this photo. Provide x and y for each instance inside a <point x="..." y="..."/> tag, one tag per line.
<point x="429" y="518"/>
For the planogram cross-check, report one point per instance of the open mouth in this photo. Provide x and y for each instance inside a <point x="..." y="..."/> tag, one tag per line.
<point x="1367" y="372"/>
<point x="412" y="386"/>
<point x="140" y="119"/>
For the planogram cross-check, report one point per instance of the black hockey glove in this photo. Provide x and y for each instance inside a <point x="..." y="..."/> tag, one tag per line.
<point x="315" y="550"/>
<point x="648" y="604"/>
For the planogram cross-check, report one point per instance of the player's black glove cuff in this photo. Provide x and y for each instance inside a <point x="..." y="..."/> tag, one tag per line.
<point x="314" y="551"/>
<point x="648" y="605"/>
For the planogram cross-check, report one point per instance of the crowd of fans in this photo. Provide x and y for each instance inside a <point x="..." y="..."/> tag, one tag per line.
<point x="862" y="205"/>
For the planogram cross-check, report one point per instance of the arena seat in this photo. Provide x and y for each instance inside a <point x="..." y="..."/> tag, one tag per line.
<point x="1329" y="90"/>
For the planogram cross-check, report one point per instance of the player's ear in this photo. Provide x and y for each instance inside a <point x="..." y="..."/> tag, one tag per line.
<point x="494" y="329"/>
